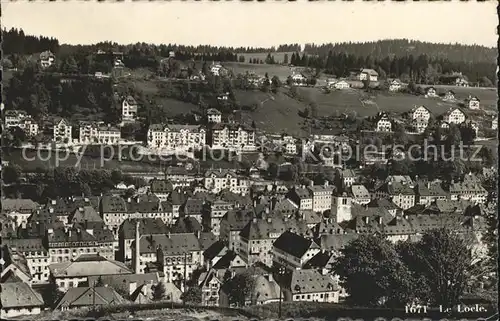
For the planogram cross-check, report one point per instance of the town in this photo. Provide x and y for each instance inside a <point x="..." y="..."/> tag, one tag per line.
<point x="238" y="211"/>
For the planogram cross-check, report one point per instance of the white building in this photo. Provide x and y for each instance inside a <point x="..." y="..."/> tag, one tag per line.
<point x="299" y="79"/>
<point x="395" y="85"/>
<point x="365" y="74"/>
<point x="215" y="69"/>
<point x="62" y="131"/>
<point x="108" y="135"/>
<point x="321" y="197"/>
<point x="454" y="116"/>
<point x="431" y="92"/>
<point x="232" y="136"/>
<point x="383" y="123"/>
<point x="342" y="84"/>
<point x="217" y="180"/>
<point x="47" y="58"/>
<point x="129" y="109"/>
<point x="420" y="118"/>
<point x="97" y="133"/>
<point x="450" y="95"/>
<point x="473" y="102"/>
<point x="360" y="194"/>
<point x="19" y="118"/>
<point x="176" y="137"/>
<point x="214" y="116"/>
<point x="494" y="123"/>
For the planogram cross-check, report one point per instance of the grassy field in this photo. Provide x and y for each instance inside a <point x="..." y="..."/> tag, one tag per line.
<point x="260" y="69"/>
<point x="279" y="113"/>
<point x="278" y="56"/>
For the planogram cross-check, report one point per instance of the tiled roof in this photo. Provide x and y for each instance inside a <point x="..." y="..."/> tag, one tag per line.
<point x="294" y="244"/>
<point x="123" y="281"/>
<point x="173" y="244"/>
<point x="147" y="226"/>
<point x="213" y="111"/>
<point x="232" y="126"/>
<point x="85" y="214"/>
<point x="360" y="191"/>
<point x="143" y="207"/>
<point x="238" y="218"/>
<point x="113" y="204"/>
<point x="25" y="245"/>
<point x="19" y="295"/>
<point x="18" y="205"/>
<point x="80" y="235"/>
<point x="88" y="264"/>
<point x="206" y="239"/>
<point x="161" y="186"/>
<point x="265" y="289"/>
<point x="310" y="281"/>
<point x="86" y="296"/>
<point x="221" y="173"/>
<point x="187" y="224"/>
<point x="214" y="250"/>
<point x="335" y="242"/>
<point x="321" y="260"/>
<point x="264" y="228"/>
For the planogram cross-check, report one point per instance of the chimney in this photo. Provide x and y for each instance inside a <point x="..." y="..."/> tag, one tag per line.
<point x="137" y="249"/>
<point x="129" y="200"/>
<point x="380" y="220"/>
<point x="53" y="202"/>
<point x="51" y="210"/>
<point x="367" y="219"/>
<point x="198" y="234"/>
<point x="69" y="233"/>
<point x="326" y="183"/>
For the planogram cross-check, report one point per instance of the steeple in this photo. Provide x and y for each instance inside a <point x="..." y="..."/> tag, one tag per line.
<point x="137" y="253"/>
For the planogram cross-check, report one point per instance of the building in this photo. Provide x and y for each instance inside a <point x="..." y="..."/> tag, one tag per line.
<point x="87" y="297"/>
<point x="360" y="194"/>
<point x="401" y="193"/>
<point x="428" y="192"/>
<point x="66" y="244"/>
<point x="301" y="197"/>
<point x="19" y="118"/>
<point x="218" y="209"/>
<point x="19" y="210"/>
<point x="14" y="266"/>
<point x="341" y="208"/>
<point x="299" y="79"/>
<point x="214" y="116"/>
<point x="19" y="299"/>
<point x="96" y="133"/>
<point x="126" y="234"/>
<point x="420" y="112"/>
<point x="62" y="131"/>
<point x="365" y="74"/>
<point x="232" y="224"/>
<point x="341" y="84"/>
<point x="176" y="137"/>
<point x="348" y="177"/>
<point x="210" y="286"/>
<point x="494" y="122"/>
<point x="161" y="188"/>
<point x="108" y="135"/>
<point x="217" y="180"/>
<point x="431" y="92"/>
<point x="258" y="236"/>
<point x="450" y="95"/>
<point x="292" y="251"/>
<point x="129" y="109"/>
<point x="88" y="132"/>
<point x="454" y="116"/>
<point x="233" y="136"/>
<point x="310" y="286"/>
<point x="217" y="69"/>
<point x="47" y="58"/>
<point x="321" y="197"/>
<point x="77" y="272"/>
<point x="472" y="102"/>
<point x="383" y="123"/>
<point x="36" y="255"/>
<point x="469" y="189"/>
<point x="395" y="85"/>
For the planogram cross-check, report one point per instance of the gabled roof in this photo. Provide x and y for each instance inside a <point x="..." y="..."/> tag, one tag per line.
<point x="122" y="281"/>
<point x="321" y="260"/>
<point x="238" y="218"/>
<point x="25" y="245"/>
<point x="294" y="244"/>
<point x="173" y="244"/>
<point x="147" y="226"/>
<point x="19" y="205"/>
<point x="87" y="265"/>
<point x="85" y="214"/>
<point x="161" y="186"/>
<point x="336" y="242"/>
<point x="87" y="296"/>
<point x="266" y="228"/>
<point x="310" y="281"/>
<point x="187" y="224"/>
<point x="113" y="204"/>
<point x="17" y="295"/>
<point x="215" y="250"/>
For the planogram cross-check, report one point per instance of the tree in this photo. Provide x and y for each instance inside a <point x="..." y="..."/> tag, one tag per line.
<point x="239" y="288"/>
<point x="51" y="293"/>
<point x="192" y="295"/>
<point x="116" y="176"/>
<point x="371" y="271"/>
<point x="99" y="282"/>
<point x="275" y="84"/>
<point x="69" y="65"/>
<point x="285" y="59"/>
<point x="273" y="170"/>
<point x="158" y="291"/>
<point x="11" y="173"/>
<point x="443" y="259"/>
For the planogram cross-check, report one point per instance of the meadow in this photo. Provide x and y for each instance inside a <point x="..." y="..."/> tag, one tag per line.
<point x="260" y="69"/>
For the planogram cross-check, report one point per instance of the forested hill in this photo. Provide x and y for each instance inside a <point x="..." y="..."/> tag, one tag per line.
<point x="402" y="47"/>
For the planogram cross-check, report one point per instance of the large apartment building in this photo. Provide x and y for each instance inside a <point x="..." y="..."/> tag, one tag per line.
<point x="233" y="136"/>
<point x="176" y="137"/>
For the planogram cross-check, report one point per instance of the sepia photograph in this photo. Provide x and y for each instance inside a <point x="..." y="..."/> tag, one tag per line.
<point x="249" y="161"/>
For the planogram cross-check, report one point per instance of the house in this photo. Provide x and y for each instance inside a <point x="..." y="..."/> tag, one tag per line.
<point x="214" y="116"/>
<point x="62" y="131"/>
<point x="468" y="189"/>
<point x="47" y="58"/>
<point x="301" y="198"/>
<point x="383" y="123"/>
<point x="472" y="102"/>
<point x="310" y="286"/>
<point x="431" y="92"/>
<point x="365" y="74"/>
<point x="218" y="209"/>
<point x="348" y="177"/>
<point x="233" y="136"/>
<point x="161" y="188"/>
<point x="19" y="299"/>
<point x="77" y="272"/>
<point x="461" y="82"/>
<point x="67" y="243"/>
<point x="217" y="180"/>
<point x="400" y="192"/>
<point x="292" y="250"/>
<point x="176" y="137"/>
<point x="232" y="224"/>
<point x="14" y="266"/>
<point x="217" y="69"/>
<point x="129" y="109"/>
<point x="341" y="84"/>
<point x="321" y="197"/>
<point x="395" y="85"/>
<point x="360" y="194"/>
<point x="19" y="118"/>
<point x="450" y="95"/>
<point x="341" y="207"/>
<point x="81" y="297"/>
<point x="454" y="116"/>
<point x="19" y="210"/>
<point x="108" y="135"/>
<point x="266" y="290"/>
<point x="258" y="236"/>
<point x="126" y="233"/>
<point x="35" y="254"/>
<point x="494" y="122"/>
<point x="428" y="192"/>
<point x="210" y="286"/>
<point x="299" y="79"/>
<point x="420" y="112"/>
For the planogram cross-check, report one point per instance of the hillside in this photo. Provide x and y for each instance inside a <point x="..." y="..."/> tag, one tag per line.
<point x="402" y="47"/>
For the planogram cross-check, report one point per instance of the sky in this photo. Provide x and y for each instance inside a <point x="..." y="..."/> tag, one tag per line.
<point x="255" y="24"/>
